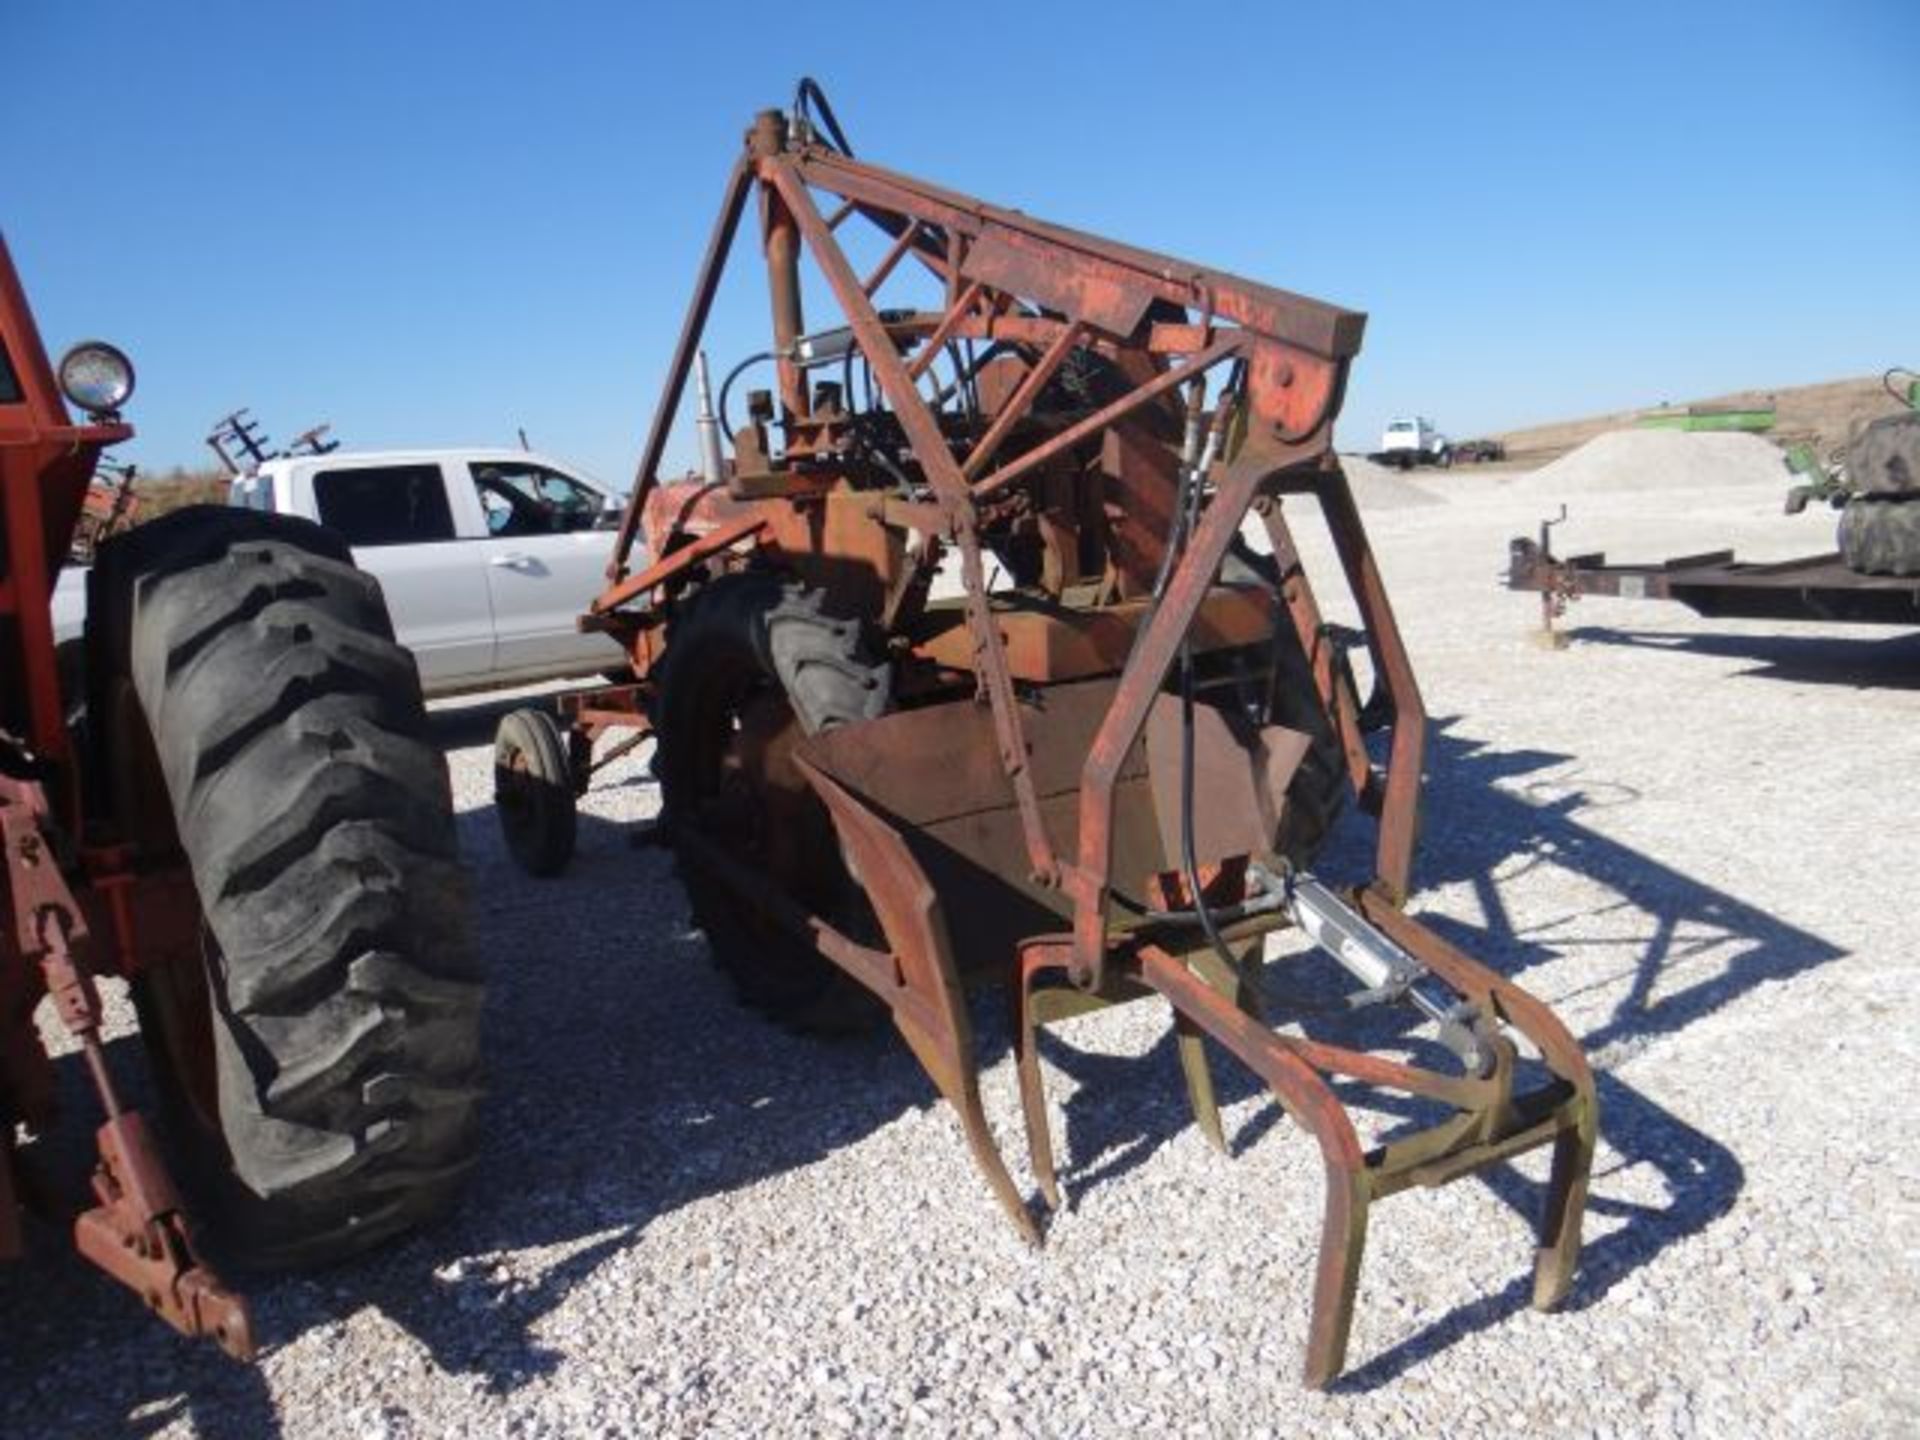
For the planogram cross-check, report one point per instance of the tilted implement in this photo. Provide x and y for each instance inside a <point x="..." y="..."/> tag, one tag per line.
<point x="1099" y="771"/>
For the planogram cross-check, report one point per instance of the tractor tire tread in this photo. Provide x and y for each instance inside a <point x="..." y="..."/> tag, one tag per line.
<point x="1880" y="535"/>
<point x="316" y="819"/>
<point x="817" y="659"/>
<point x="1884" y="459"/>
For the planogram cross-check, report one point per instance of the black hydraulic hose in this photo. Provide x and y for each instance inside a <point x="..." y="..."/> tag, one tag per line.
<point x="809" y="97"/>
<point x="1202" y="910"/>
<point x="1186" y="520"/>
<point x="726" y="429"/>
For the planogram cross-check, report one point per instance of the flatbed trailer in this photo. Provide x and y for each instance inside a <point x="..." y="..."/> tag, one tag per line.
<point x="1714" y="584"/>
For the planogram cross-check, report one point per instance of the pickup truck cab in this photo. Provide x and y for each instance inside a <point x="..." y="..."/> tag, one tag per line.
<point x="487" y="557"/>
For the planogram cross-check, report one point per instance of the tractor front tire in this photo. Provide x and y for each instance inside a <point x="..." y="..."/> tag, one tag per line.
<point x="534" y="793"/>
<point x="323" y="1063"/>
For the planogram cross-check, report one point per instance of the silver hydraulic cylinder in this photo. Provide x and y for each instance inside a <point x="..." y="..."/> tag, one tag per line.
<point x="1387" y="971"/>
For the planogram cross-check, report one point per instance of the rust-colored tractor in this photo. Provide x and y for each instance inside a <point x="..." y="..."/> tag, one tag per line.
<point x="1099" y="771"/>
<point x="223" y="794"/>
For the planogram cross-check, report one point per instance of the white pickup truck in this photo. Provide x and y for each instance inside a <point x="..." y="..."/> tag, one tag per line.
<point x="1413" y="441"/>
<point x="487" y="557"/>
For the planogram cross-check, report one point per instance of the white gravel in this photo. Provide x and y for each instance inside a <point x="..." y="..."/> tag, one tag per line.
<point x="1693" y="838"/>
<point x="1383" y="487"/>
<point x="1678" y="462"/>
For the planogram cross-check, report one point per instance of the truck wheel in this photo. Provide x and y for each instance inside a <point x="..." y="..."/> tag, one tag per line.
<point x="752" y="668"/>
<point x="321" y="1059"/>
<point x="1880" y="535"/>
<point x="533" y="791"/>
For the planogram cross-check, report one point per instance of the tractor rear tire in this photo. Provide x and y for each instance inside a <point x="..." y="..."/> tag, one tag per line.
<point x="323" y="1068"/>
<point x="1880" y="535"/>
<point x="753" y="666"/>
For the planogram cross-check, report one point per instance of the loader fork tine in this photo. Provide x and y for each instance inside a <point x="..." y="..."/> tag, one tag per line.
<point x="1563" y="1210"/>
<point x="1199" y="1077"/>
<point x="1305" y="1096"/>
<point x="1343" y="1240"/>
<point x="920" y="984"/>
<point x="958" y="1080"/>
<point x="1033" y="1091"/>
<point x="1237" y="985"/>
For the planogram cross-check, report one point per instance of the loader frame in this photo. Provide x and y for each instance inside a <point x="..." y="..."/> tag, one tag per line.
<point x="1053" y="705"/>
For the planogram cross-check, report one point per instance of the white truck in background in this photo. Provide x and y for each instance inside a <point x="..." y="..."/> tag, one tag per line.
<point x="1413" y="441"/>
<point x="487" y="557"/>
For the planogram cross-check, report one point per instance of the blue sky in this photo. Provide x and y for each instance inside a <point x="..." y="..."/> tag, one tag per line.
<point x="434" y="223"/>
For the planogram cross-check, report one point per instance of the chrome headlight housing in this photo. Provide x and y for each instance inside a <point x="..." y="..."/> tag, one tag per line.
<point x="96" y="377"/>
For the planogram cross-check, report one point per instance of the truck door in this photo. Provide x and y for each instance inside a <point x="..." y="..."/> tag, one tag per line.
<point x="397" y="519"/>
<point x="546" y="559"/>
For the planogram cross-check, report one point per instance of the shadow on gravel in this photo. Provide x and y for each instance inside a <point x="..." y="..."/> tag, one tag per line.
<point x="625" y="1084"/>
<point x="1479" y="827"/>
<point x="1872" y="659"/>
<point x="1476" y="828"/>
<point x="1486" y="830"/>
<point x="79" y="1355"/>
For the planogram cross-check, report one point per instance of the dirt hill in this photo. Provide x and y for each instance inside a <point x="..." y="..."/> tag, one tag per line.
<point x="1826" y="414"/>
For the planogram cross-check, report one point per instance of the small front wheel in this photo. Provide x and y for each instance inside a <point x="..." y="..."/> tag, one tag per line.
<point x="533" y="791"/>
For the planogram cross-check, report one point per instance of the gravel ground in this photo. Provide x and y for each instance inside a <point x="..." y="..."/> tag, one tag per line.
<point x="1687" y="836"/>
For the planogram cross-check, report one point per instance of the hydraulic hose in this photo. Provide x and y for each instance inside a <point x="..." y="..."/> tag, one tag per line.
<point x="726" y="426"/>
<point x="808" y="98"/>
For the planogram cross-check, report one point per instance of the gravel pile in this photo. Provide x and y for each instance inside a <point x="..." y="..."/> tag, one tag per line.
<point x="1674" y="461"/>
<point x="1686" y="836"/>
<point x="1382" y="487"/>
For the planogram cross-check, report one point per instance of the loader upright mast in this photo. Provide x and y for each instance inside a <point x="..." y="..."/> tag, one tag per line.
<point x="1098" y="778"/>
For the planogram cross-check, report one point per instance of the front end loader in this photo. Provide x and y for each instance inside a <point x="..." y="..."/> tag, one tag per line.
<point x="1099" y="767"/>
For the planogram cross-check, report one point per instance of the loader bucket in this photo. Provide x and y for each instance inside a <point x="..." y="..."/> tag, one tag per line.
<point x="916" y="801"/>
<point x="920" y="807"/>
<point x="934" y="776"/>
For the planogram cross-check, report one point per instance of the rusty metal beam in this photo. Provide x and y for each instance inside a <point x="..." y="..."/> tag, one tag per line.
<point x="949" y="486"/>
<point x="712" y="266"/>
<point x="1031" y="384"/>
<point x="1324" y="330"/>
<point x="1105" y="418"/>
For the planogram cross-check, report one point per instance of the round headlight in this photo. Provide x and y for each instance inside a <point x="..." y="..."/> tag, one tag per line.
<point x="97" y="377"/>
